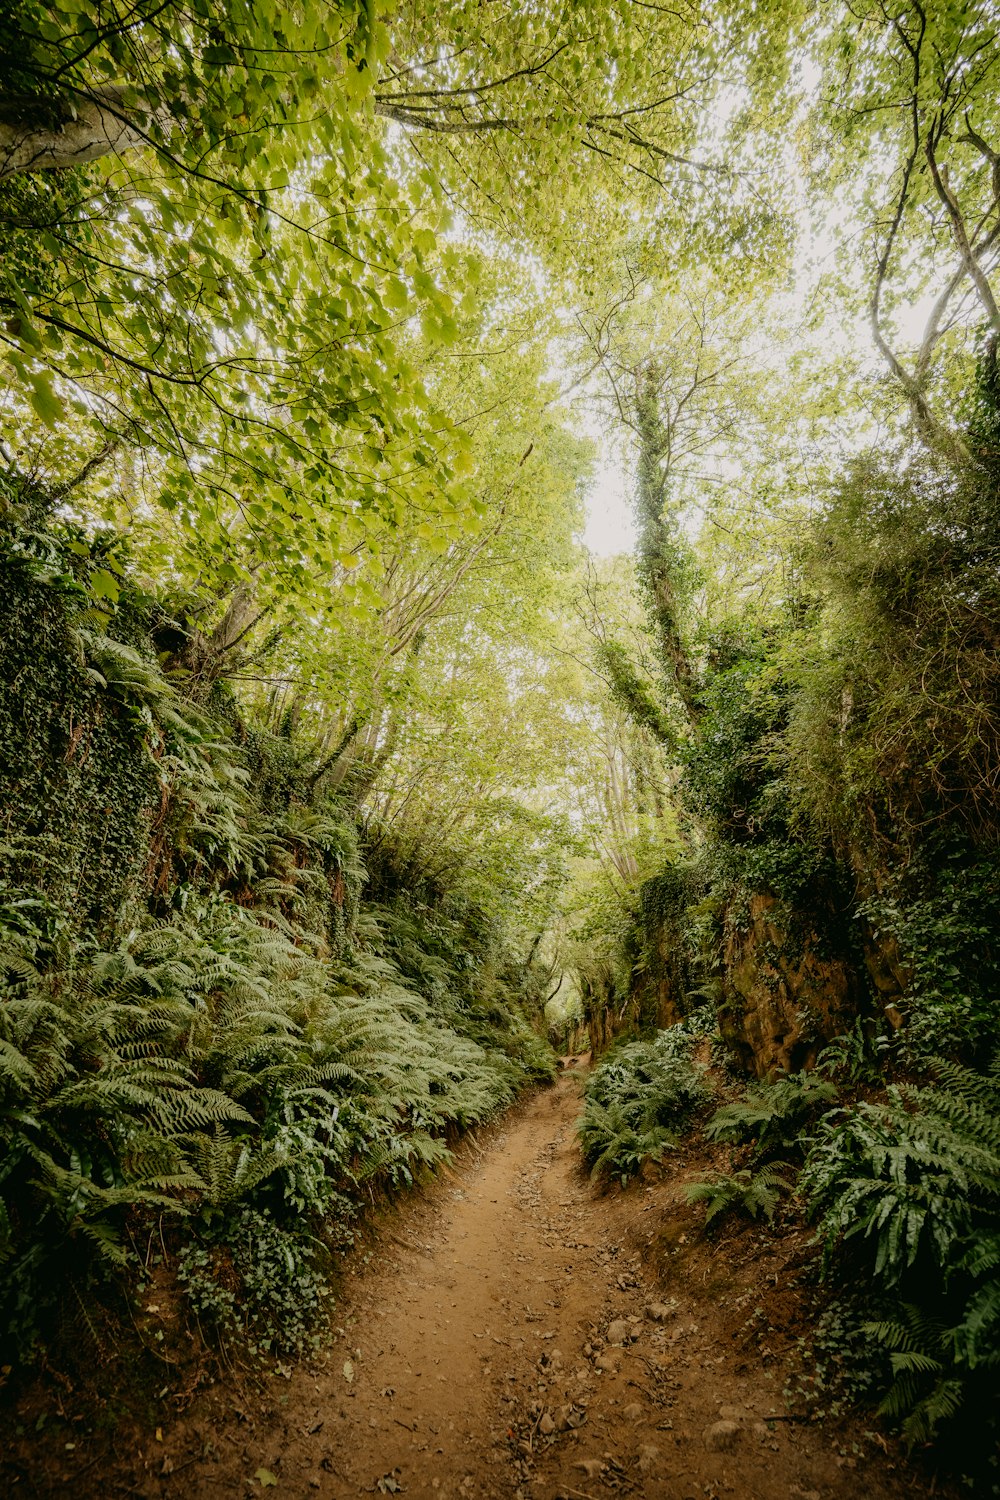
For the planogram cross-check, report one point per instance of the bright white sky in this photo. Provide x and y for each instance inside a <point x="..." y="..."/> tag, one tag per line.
<point x="610" y="526"/>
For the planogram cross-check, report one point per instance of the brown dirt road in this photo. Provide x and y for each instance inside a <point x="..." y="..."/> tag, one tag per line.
<point x="479" y="1357"/>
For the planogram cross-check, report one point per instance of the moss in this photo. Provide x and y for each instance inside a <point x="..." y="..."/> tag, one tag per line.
<point x="78" y="785"/>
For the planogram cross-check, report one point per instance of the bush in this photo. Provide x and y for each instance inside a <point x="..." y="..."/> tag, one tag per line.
<point x="613" y="1147"/>
<point x="755" y="1194"/>
<point x="251" y="1280"/>
<point x="211" y="1063"/>
<point x="774" y="1116"/>
<point x="654" y="1083"/>
<point x="636" y="1101"/>
<point x="942" y="915"/>
<point x="906" y="1194"/>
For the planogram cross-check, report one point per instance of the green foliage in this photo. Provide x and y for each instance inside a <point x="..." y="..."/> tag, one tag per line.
<point x="754" y="1193"/>
<point x="736" y="771"/>
<point x="894" y="710"/>
<point x="223" y="1034"/>
<point x="211" y="1062"/>
<point x="774" y="1116"/>
<point x="633" y="694"/>
<point x="925" y="1393"/>
<point x="913" y="1176"/>
<point x="841" y="1368"/>
<point x="636" y="1101"/>
<point x="653" y="1081"/>
<point x="239" y="137"/>
<point x="614" y="1147"/>
<point x="908" y="1193"/>
<point x="857" y="1057"/>
<point x="256" y="1283"/>
<point x="939" y="912"/>
<point x="76" y="729"/>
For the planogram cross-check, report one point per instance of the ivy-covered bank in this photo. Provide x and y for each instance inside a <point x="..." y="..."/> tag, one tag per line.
<point x="226" y="1019"/>
<point x="840" y="860"/>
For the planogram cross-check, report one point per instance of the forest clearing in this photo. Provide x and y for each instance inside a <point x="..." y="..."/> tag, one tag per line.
<point x="500" y="748"/>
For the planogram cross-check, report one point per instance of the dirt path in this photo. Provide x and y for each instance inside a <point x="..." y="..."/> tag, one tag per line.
<point x="503" y="1343"/>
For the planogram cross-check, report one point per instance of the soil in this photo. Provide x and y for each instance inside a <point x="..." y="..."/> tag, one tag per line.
<point x="512" y="1334"/>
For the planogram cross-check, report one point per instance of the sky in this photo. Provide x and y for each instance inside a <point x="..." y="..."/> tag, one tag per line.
<point x="610" y="526"/>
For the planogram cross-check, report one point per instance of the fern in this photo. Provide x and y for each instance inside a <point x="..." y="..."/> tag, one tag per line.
<point x="912" y="1175"/>
<point x="925" y="1392"/>
<point x="651" y="1083"/>
<point x="756" y="1194"/>
<point x="613" y="1147"/>
<point x="912" y="1188"/>
<point x="216" y="1060"/>
<point x="774" y="1116"/>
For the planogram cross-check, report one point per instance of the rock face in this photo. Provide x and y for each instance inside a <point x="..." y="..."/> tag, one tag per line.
<point x="785" y="992"/>
<point x="790" y="980"/>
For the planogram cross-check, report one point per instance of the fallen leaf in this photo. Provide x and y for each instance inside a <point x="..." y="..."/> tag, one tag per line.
<point x="265" y="1479"/>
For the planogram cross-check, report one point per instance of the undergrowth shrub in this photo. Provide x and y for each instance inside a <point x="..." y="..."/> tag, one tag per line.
<point x="201" y="1020"/>
<point x="941" y="913"/>
<point x="756" y="1194"/>
<point x="637" y="1100"/>
<point x="774" y="1116"/>
<point x="906" y="1195"/>
<point x="254" y="1281"/>
<point x="858" y="1056"/>
<point x="215" y="1061"/>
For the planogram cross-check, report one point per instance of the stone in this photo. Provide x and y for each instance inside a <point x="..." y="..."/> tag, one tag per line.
<point x="609" y="1361"/>
<point x="619" y="1332"/>
<point x="720" y="1436"/>
<point x="650" y="1459"/>
<point x="568" y="1417"/>
<point x="659" y="1312"/>
<point x="632" y="1412"/>
<point x="592" y="1467"/>
<point x="546" y="1424"/>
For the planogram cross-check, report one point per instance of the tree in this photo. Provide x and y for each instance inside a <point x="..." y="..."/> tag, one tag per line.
<point x="225" y="288"/>
<point x="909" y="102"/>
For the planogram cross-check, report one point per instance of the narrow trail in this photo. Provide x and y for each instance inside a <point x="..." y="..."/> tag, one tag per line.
<point x="504" y="1343"/>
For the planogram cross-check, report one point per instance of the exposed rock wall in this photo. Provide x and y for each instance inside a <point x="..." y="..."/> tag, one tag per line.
<point x="785" y="991"/>
<point x="789" y="982"/>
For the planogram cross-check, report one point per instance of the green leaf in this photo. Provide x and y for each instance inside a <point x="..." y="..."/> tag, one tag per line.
<point x="44" y="400"/>
<point x="104" y="585"/>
